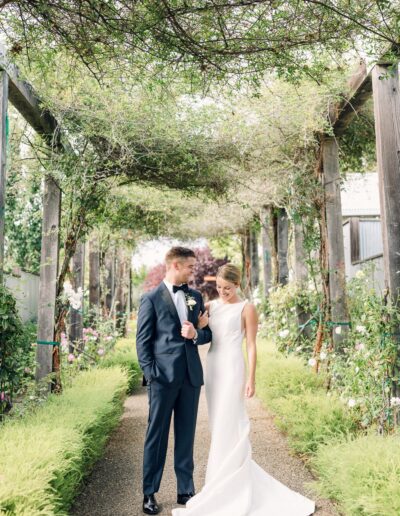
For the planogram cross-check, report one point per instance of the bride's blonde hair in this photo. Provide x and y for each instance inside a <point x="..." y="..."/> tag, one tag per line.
<point x="229" y="272"/>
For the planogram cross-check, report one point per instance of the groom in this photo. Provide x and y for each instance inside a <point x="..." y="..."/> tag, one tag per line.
<point x="167" y="341"/>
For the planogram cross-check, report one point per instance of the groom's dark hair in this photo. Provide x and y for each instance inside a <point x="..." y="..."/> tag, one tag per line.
<point x="179" y="252"/>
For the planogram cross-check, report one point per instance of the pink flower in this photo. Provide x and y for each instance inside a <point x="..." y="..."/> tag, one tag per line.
<point x="100" y="351"/>
<point x="71" y="357"/>
<point x="109" y="337"/>
<point x="2" y="396"/>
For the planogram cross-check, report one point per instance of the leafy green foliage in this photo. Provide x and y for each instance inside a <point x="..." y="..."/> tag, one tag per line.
<point x="16" y="357"/>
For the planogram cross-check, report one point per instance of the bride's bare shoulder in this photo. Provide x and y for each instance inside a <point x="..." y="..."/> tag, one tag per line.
<point x="250" y="310"/>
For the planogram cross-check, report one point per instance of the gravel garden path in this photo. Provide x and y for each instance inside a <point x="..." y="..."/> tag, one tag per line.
<point x="114" y="487"/>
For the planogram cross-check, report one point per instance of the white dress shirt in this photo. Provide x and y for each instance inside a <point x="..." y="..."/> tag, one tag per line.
<point x="179" y="300"/>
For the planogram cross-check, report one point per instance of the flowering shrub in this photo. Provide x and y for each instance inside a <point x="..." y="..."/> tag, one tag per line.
<point x="362" y="373"/>
<point x="281" y="316"/>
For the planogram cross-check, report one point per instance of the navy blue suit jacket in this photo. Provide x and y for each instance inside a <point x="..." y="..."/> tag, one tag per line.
<point x="163" y="353"/>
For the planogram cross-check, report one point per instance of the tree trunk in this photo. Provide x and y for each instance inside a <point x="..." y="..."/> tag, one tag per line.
<point x="334" y="225"/>
<point x="385" y="82"/>
<point x="3" y="157"/>
<point x="76" y="316"/>
<point x="48" y="280"/>
<point x="266" y="239"/>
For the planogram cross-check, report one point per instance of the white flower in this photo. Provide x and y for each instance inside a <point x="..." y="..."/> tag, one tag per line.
<point x="359" y="346"/>
<point x="395" y="402"/>
<point x="360" y="274"/>
<point x="357" y="369"/>
<point x="284" y="333"/>
<point x="74" y="298"/>
<point x="338" y="330"/>
<point x="351" y="403"/>
<point x="299" y="348"/>
<point x="361" y="329"/>
<point x="191" y="302"/>
<point x="323" y="355"/>
<point x="312" y="362"/>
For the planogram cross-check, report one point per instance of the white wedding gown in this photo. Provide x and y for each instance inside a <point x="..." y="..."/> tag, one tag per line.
<point x="235" y="485"/>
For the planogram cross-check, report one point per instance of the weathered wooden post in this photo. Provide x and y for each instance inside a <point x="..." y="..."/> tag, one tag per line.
<point x="48" y="277"/>
<point x="266" y="242"/>
<point x="109" y="263"/>
<point x="301" y="274"/>
<point x="254" y="260"/>
<point x="334" y="225"/>
<point x="283" y="243"/>
<point x="121" y="291"/>
<point x="3" y="152"/>
<point x="385" y="83"/>
<point x="246" y="263"/>
<point x="76" y="315"/>
<point x="94" y="278"/>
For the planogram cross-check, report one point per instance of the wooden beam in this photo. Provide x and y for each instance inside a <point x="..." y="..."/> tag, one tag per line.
<point x="76" y="317"/>
<point x="333" y="209"/>
<point x="27" y="102"/>
<point x="3" y="157"/>
<point x="48" y="277"/>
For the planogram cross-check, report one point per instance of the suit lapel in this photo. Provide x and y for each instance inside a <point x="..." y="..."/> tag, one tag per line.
<point x="166" y="296"/>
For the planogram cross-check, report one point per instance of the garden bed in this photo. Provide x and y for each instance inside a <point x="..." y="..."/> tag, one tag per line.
<point x="45" y="455"/>
<point x="359" y="470"/>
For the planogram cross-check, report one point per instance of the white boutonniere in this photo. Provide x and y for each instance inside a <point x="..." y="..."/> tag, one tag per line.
<point x="190" y="301"/>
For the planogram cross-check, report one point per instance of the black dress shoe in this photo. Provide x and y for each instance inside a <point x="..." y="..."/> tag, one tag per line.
<point x="150" y="505"/>
<point x="184" y="498"/>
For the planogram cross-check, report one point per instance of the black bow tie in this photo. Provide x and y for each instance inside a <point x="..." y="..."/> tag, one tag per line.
<point x="183" y="287"/>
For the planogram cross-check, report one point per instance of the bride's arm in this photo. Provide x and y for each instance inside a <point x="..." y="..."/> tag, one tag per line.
<point x="251" y="327"/>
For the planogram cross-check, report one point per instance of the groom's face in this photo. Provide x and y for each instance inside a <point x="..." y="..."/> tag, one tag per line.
<point x="184" y="269"/>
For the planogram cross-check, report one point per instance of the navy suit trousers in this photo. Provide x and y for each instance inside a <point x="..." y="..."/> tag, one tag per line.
<point x="182" y="400"/>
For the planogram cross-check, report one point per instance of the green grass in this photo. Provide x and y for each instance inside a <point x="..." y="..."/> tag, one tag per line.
<point x="45" y="455"/>
<point x="124" y="356"/>
<point x="363" y="475"/>
<point x="295" y="394"/>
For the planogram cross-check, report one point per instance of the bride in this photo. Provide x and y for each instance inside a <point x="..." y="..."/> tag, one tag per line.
<point x="235" y="485"/>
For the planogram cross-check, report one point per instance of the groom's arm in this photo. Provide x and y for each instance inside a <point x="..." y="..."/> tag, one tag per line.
<point x="203" y="335"/>
<point x="145" y="335"/>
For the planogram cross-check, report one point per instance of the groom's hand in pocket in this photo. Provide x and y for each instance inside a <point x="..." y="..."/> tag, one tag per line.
<point x="188" y="330"/>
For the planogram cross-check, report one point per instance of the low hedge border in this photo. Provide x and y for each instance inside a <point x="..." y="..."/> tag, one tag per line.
<point x="45" y="455"/>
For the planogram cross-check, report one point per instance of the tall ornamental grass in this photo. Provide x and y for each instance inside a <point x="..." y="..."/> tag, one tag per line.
<point x="45" y="455"/>
<point x="296" y="395"/>
<point x="363" y="475"/>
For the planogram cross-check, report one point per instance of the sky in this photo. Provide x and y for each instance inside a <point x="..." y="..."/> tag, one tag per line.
<point x="152" y="252"/>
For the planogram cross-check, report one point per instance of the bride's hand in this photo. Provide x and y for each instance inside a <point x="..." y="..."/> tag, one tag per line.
<point x="250" y="389"/>
<point x="202" y="321"/>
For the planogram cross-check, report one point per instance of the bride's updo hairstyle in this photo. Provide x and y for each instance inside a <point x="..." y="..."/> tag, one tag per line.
<point x="230" y="272"/>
